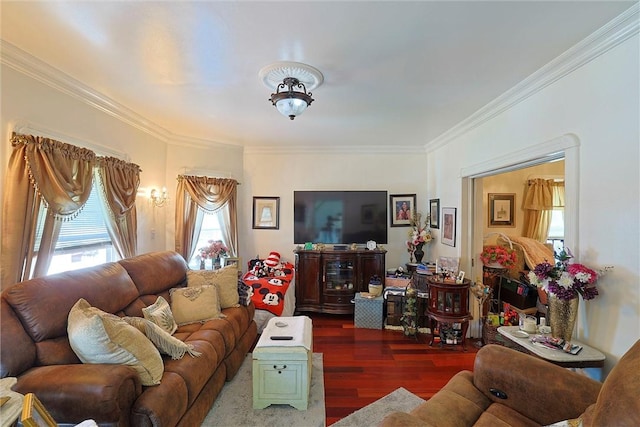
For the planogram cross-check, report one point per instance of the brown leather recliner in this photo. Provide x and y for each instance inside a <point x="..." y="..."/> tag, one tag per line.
<point x="509" y="388"/>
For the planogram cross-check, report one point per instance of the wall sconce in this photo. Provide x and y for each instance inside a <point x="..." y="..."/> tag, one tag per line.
<point x="158" y="198"/>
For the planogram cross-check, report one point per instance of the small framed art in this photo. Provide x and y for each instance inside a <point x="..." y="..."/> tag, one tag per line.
<point x="231" y="261"/>
<point x="434" y="213"/>
<point x="502" y="210"/>
<point x="266" y="213"/>
<point x="449" y="226"/>
<point x="34" y="413"/>
<point x="401" y="207"/>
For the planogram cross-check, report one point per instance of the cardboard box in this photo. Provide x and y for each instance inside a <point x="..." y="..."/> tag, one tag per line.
<point x="368" y="312"/>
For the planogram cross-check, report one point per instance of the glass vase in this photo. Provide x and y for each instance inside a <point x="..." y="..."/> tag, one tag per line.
<point x="562" y="316"/>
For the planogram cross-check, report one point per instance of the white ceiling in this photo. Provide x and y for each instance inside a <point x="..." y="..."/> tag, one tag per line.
<point x="395" y="73"/>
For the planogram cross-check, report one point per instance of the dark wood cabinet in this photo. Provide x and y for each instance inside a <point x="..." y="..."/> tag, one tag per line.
<point x="327" y="280"/>
<point x="448" y="308"/>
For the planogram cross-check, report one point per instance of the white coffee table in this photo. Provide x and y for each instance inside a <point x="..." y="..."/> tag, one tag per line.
<point x="282" y="368"/>
<point x="588" y="357"/>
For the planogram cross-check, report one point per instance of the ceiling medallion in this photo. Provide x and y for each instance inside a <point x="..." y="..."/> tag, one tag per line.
<point x="292" y="82"/>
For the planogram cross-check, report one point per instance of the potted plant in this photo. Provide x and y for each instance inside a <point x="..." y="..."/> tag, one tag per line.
<point x="497" y="256"/>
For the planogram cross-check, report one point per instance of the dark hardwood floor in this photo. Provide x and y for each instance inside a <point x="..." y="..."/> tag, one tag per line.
<point x="363" y="365"/>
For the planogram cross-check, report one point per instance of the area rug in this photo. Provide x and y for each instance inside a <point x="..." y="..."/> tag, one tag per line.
<point x="234" y="405"/>
<point x="398" y="400"/>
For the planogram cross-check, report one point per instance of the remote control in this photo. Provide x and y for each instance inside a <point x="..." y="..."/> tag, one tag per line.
<point x="281" y="338"/>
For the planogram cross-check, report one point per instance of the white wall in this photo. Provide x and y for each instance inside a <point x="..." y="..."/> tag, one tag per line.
<point x="279" y="174"/>
<point x="27" y="101"/>
<point x="599" y="103"/>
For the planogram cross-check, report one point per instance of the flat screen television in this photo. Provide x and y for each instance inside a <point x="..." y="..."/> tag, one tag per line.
<point x="341" y="217"/>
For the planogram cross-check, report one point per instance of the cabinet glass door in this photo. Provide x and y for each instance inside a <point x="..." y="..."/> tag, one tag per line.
<point x="339" y="275"/>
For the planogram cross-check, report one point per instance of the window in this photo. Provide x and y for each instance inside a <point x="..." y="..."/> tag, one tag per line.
<point x="83" y="241"/>
<point x="556" y="230"/>
<point x="210" y="231"/>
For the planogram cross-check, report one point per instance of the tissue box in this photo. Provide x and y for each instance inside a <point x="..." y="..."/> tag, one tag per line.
<point x="368" y="312"/>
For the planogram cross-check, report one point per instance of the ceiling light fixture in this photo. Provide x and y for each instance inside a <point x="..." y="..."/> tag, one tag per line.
<point x="292" y="82"/>
<point x="291" y="102"/>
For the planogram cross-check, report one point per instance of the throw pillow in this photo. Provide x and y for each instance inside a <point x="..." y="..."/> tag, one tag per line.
<point x="191" y="305"/>
<point x="245" y="292"/>
<point x="225" y="279"/>
<point x="166" y="343"/>
<point x="99" y="337"/>
<point x="160" y="313"/>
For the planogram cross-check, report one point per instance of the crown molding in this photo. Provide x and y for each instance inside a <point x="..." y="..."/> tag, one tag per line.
<point x="39" y="70"/>
<point x="336" y="149"/>
<point x="29" y="65"/>
<point x="618" y="30"/>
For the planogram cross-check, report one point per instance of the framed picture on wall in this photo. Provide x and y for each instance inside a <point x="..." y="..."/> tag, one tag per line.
<point x="502" y="210"/>
<point x="449" y="226"/>
<point x="434" y="213"/>
<point x="401" y="207"/>
<point x="266" y="213"/>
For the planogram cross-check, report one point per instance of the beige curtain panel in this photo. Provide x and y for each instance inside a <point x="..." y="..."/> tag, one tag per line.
<point x="541" y="197"/>
<point x="210" y="195"/>
<point x="50" y="181"/>
<point x="119" y="182"/>
<point x="40" y="170"/>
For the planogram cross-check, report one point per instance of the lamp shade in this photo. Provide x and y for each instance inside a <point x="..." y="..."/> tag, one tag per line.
<point x="291" y="107"/>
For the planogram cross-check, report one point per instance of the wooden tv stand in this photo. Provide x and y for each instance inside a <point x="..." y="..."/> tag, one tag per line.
<point x="327" y="280"/>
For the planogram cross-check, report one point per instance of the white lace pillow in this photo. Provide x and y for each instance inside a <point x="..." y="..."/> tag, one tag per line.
<point x="160" y="313"/>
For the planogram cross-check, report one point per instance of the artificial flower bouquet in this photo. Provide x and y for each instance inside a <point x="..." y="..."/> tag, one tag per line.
<point x="214" y="249"/>
<point x="496" y="254"/>
<point x="566" y="280"/>
<point x="419" y="234"/>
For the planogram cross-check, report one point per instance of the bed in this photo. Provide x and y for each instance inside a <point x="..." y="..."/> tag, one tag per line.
<point x="272" y="291"/>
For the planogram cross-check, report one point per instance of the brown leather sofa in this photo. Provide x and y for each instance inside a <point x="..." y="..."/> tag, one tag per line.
<point x="509" y="388"/>
<point x="35" y="347"/>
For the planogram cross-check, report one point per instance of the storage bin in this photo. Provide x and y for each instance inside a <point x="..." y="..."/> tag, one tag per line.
<point x="368" y="312"/>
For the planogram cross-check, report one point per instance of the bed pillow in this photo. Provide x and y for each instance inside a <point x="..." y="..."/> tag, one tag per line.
<point x="225" y="279"/>
<point x="160" y="313"/>
<point x="99" y="337"/>
<point x="195" y="304"/>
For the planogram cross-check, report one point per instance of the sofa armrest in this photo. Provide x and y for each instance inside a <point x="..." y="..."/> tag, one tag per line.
<point x="538" y="389"/>
<point x="74" y="393"/>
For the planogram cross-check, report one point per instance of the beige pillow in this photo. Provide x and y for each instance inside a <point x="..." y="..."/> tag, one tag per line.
<point x="99" y="337"/>
<point x="190" y="305"/>
<point x="225" y="279"/>
<point x="160" y="313"/>
<point x="166" y="343"/>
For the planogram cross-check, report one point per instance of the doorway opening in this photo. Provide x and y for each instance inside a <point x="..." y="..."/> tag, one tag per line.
<point x="556" y="159"/>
